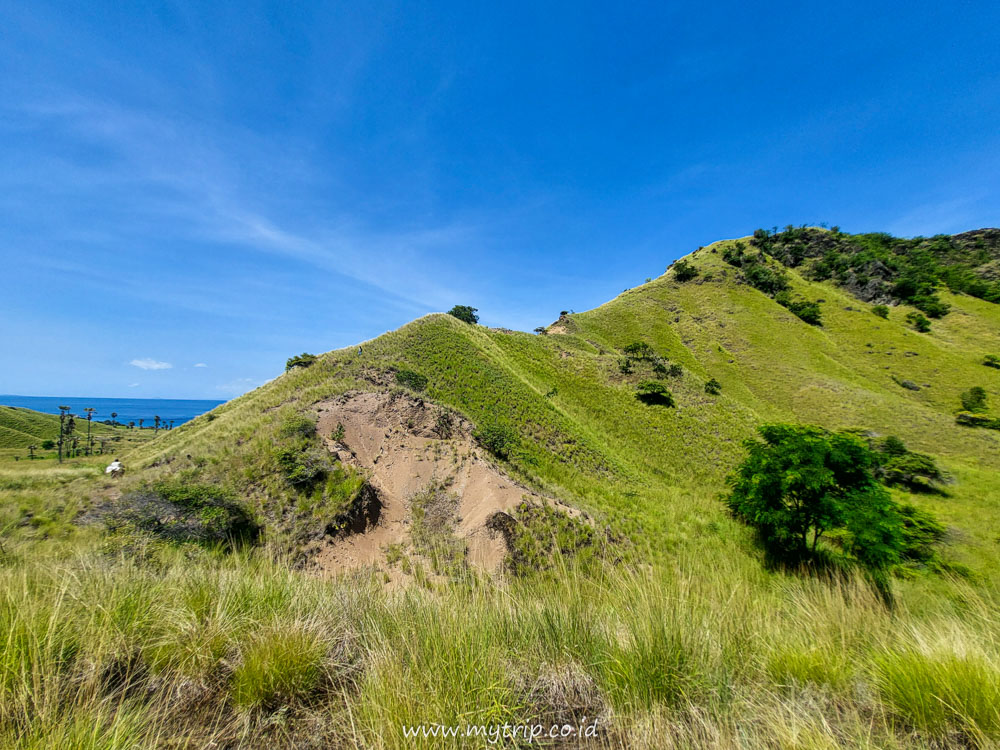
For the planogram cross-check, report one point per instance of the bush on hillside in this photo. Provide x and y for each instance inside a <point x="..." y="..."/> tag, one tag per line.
<point x="918" y="321"/>
<point x="465" y="313"/>
<point x="992" y="360"/>
<point x="651" y="392"/>
<point x="881" y="311"/>
<point x="639" y="350"/>
<point x="302" y="360"/>
<point x="675" y="370"/>
<point x="499" y="438"/>
<point x="974" y="399"/>
<point x="800" y="482"/>
<point x="713" y="387"/>
<point x="410" y="379"/>
<point x="808" y="312"/>
<point x="764" y="278"/>
<point x="178" y="512"/>
<point x="684" y="271"/>
<point x="968" y="419"/>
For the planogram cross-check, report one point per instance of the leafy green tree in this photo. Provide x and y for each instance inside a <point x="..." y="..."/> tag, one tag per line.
<point x="651" y="392"/>
<point x="992" y="360"/>
<point x="800" y="482"/>
<point x="465" y="313"/>
<point x="974" y="399"/>
<point x="639" y="350"/>
<point x="684" y="271"/>
<point x="48" y="445"/>
<point x="302" y="360"/>
<point x="713" y="387"/>
<point x="881" y="311"/>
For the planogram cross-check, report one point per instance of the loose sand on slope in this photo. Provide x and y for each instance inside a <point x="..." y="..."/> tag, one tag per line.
<point x="406" y="445"/>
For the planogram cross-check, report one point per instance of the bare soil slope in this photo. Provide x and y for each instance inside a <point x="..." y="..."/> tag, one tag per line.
<point x="407" y="446"/>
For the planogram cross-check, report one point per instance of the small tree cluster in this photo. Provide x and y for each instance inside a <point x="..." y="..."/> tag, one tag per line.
<point x="713" y="387"/>
<point x="465" y="313"/>
<point x="992" y="360"/>
<point x="301" y="360"/>
<point x="881" y="311"/>
<point x="684" y="271"/>
<point x="806" y="311"/>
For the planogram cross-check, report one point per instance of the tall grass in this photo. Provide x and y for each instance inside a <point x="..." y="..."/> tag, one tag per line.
<point x="240" y="650"/>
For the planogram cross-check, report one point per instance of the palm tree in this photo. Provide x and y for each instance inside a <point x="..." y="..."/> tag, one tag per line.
<point x="62" y="422"/>
<point x="156" y="425"/>
<point x="31" y="451"/>
<point x="131" y="425"/>
<point x="90" y="441"/>
<point x="171" y="424"/>
<point x="140" y="423"/>
<point x="114" y="416"/>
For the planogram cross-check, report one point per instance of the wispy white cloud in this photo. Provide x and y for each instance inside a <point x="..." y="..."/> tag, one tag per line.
<point x="133" y="385"/>
<point x="148" y="363"/>
<point x="200" y="364"/>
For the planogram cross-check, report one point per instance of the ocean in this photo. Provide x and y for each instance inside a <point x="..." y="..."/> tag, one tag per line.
<point x="179" y="410"/>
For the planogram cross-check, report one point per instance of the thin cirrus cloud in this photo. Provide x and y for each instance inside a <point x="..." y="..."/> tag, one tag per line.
<point x="148" y="363"/>
<point x="200" y="364"/>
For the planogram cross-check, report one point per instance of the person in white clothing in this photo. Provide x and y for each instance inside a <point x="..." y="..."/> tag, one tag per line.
<point x="115" y="468"/>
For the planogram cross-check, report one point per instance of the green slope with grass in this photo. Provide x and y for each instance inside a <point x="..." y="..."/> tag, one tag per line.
<point x="20" y="427"/>
<point x="134" y="641"/>
<point x="654" y="471"/>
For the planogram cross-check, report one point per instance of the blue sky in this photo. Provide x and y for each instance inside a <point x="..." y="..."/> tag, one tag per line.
<point x="192" y="192"/>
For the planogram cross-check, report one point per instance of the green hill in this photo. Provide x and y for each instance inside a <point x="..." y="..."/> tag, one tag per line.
<point x="298" y="567"/>
<point x="20" y="428"/>
<point x="583" y="435"/>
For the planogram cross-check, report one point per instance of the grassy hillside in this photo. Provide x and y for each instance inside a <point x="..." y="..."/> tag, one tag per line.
<point x="690" y="642"/>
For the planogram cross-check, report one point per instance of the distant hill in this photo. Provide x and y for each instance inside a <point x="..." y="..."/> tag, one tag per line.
<point x="20" y="428"/>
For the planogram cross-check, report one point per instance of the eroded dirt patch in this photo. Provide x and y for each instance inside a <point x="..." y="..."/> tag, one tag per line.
<point x="408" y="447"/>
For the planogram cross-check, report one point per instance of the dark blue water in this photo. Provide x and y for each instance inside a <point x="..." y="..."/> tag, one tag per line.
<point x="179" y="410"/>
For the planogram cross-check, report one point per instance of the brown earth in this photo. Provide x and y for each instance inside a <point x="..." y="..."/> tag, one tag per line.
<point x="406" y="445"/>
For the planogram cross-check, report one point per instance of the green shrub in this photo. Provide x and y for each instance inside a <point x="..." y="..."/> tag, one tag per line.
<point x="713" y="387"/>
<point x="918" y="321"/>
<point x="178" y="512"/>
<point x="639" y="350"/>
<point x="651" y="392"/>
<point x="302" y="360"/>
<point x="499" y="438"/>
<point x="968" y="419"/>
<point x="684" y="271"/>
<point x="808" y="312"/>
<point x="675" y="370"/>
<point x="465" y="313"/>
<point x="410" y="379"/>
<point x="921" y="534"/>
<point x="881" y="311"/>
<point x="915" y="471"/>
<point x="766" y="279"/>
<point x="990" y="360"/>
<point x="296" y="425"/>
<point x="974" y="399"/>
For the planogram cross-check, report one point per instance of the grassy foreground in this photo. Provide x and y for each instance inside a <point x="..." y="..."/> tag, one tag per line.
<point x="692" y="644"/>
